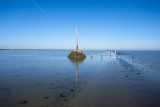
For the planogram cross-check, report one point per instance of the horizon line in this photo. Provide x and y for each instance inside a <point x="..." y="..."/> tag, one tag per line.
<point x="87" y="49"/>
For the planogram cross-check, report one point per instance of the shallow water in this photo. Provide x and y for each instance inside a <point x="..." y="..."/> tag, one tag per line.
<point x="34" y="78"/>
<point x="44" y="78"/>
<point x="147" y="59"/>
<point x="121" y="83"/>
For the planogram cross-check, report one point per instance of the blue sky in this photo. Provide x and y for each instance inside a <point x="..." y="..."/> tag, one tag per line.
<point x="102" y="24"/>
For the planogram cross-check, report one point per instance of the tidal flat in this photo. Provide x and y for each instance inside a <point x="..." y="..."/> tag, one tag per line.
<point x="47" y="78"/>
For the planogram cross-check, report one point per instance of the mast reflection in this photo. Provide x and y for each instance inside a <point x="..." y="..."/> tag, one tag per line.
<point x="76" y="61"/>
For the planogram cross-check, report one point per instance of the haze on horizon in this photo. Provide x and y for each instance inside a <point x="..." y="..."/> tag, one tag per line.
<point x="102" y="24"/>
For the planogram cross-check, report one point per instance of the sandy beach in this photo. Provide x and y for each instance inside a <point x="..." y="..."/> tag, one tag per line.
<point x="120" y="84"/>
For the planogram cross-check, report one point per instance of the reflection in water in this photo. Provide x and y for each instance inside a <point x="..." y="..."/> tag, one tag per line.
<point x="132" y="58"/>
<point x="91" y="57"/>
<point x="76" y="73"/>
<point x="77" y="61"/>
<point x="101" y="57"/>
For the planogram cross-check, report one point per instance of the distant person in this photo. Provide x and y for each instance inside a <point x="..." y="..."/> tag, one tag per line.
<point x="107" y="51"/>
<point x="115" y="52"/>
<point x="101" y="57"/>
<point x="91" y="56"/>
<point x="110" y="53"/>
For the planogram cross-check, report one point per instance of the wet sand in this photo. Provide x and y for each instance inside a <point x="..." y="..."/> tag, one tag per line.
<point x="120" y="84"/>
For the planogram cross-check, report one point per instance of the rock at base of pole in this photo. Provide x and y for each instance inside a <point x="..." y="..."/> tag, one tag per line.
<point x="77" y="54"/>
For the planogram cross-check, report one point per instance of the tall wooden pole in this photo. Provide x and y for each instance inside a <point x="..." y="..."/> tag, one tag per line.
<point x="76" y="38"/>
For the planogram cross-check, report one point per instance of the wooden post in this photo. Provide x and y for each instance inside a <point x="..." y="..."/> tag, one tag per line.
<point x="77" y="38"/>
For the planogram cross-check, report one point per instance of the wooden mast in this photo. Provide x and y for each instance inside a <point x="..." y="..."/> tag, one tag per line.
<point x="76" y="53"/>
<point x="76" y="38"/>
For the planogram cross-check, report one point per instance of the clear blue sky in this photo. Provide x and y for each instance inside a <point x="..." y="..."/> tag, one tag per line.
<point x="102" y="24"/>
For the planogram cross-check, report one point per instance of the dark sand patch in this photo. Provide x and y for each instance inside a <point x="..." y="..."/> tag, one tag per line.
<point x="23" y="102"/>
<point x="46" y="97"/>
<point x="8" y="93"/>
<point x="5" y="89"/>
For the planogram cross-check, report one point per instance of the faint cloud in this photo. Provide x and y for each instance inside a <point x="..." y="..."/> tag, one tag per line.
<point x="39" y="8"/>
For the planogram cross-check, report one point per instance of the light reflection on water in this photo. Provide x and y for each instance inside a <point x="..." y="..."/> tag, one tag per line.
<point x="147" y="59"/>
<point x="34" y="78"/>
<point x="41" y="78"/>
